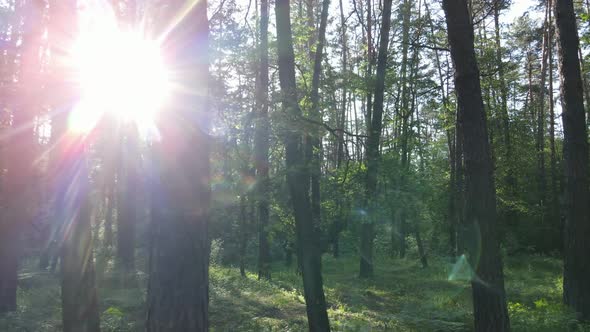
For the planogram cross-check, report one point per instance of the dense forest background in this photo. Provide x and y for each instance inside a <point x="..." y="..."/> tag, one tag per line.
<point x="358" y="165"/>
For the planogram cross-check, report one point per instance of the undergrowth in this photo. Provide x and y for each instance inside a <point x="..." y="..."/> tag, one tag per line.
<point x="401" y="297"/>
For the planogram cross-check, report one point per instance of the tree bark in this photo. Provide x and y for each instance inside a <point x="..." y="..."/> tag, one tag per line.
<point x="338" y="223"/>
<point x="178" y="289"/>
<point x="261" y="148"/>
<point x="242" y="235"/>
<point x="314" y="140"/>
<point x="108" y="222"/>
<point x="541" y="113"/>
<point x="70" y="175"/>
<point x="483" y="250"/>
<point x="367" y="231"/>
<point x="553" y="154"/>
<point x="452" y="148"/>
<point x="78" y="285"/>
<point x="127" y="183"/>
<point x="308" y="248"/>
<point x="369" y="73"/>
<point x="576" y="289"/>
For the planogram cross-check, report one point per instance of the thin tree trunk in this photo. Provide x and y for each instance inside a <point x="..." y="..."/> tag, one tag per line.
<point x="242" y="235"/>
<point x="459" y="186"/>
<point x="483" y="250"/>
<point x="405" y="113"/>
<point x="453" y="209"/>
<point x="338" y="223"/>
<point x="261" y="148"/>
<point x="510" y="178"/>
<point x="78" y="285"/>
<point x="540" y="131"/>
<point x="308" y="248"/>
<point x="421" y="250"/>
<point x="314" y="140"/>
<point x="576" y="288"/>
<point x="553" y="154"/>
<point x="108" y="222"/>
<point x="373" y="142"/>
<point x="127" y="183"/>
<point x="369" y="73"/>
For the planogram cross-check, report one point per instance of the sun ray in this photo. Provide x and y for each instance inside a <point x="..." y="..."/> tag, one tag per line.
<point x="119" y="72"/>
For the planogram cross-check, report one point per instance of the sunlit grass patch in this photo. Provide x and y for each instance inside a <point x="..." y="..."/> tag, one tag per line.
<point x="402" y="296"/>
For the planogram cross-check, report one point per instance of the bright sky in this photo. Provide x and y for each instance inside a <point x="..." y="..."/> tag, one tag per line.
<point x="517" y="8"/>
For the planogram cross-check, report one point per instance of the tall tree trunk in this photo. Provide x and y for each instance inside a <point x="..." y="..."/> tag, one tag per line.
<point x="127" y="177"/>
<point x="510" y="178"/>
<point x="419" y="243"/>
<point x="452" y="147"/>
<point x="373" y="142"/>
<point x="553" y="154"/>
<point x="261" y="147"/>
<point x="127" y="183"/>
<point x="242" y="236"/>
<point x="178" y="290"/>
<point x="369" y="73"/>
<point x="343" y="102"/>
<point x="540" y="131"/>
<point x="108" y="220"/>
<point x="483" y="250"/>
<point x="314" y="140"/>
<point x="405" y="113"/>
<point x="576" y="272"/>
<point x="20" y="156"/>
<point x="459" y="186"/>
<point x="69" y="171"/>
<point x="337" y="224"/>
<point x="308" y="248"/>
<point x="78" y="285"/>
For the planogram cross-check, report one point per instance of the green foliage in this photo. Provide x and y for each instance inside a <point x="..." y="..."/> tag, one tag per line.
<point x="401" y="297"/>
<point x="543" y="316"/>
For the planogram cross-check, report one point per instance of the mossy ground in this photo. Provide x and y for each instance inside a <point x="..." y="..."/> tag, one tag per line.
<point x="401" y="297"/>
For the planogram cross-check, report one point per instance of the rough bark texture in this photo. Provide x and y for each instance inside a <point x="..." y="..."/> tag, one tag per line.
<point x="178" y="289"/>
<point x="308" y="249"/>
<point x="576" y="288"/>
<point x="367" y="231"/>
<point x="483" y="251"/>
<point x="261" y="148"/>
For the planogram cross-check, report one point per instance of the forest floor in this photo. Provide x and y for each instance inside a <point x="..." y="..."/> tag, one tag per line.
<point x="401" y="297"/>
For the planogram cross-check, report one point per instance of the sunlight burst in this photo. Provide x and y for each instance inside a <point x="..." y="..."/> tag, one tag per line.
<point x="121" y="73"/>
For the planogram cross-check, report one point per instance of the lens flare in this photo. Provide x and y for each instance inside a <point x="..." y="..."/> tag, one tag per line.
<point x="120" y="73"/>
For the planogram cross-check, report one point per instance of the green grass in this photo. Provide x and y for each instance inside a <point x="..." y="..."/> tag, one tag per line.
<point x="401" y="297"/>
